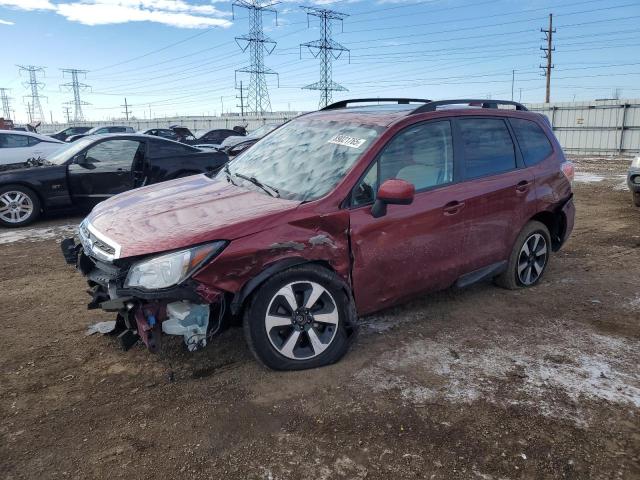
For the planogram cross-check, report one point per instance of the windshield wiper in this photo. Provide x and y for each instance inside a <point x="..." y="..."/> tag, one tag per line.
<point x="270" y="190"/>
<point x="229" y="175"/>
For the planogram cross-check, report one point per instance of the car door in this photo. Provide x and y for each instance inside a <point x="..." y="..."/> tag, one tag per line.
<point x="499" y="196"/>
<point x="104" y="169"/>
<point x="413" y="248"/>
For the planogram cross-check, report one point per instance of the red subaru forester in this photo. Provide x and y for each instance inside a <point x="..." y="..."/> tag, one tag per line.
<point x="335" y="214"/>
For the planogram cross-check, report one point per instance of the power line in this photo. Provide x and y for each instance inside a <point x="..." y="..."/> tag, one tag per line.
<point x="327" y="50"/>
<point x="257" y="43"/>
<point x="34" y="105"/>
<point x="549" y="49"/>
<point x="75" y="86"/>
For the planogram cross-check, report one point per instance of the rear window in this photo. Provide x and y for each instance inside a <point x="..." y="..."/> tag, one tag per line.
<point x="488" y="148"/>
<point x="534" y="144"/>
<point x="158" y="148"/>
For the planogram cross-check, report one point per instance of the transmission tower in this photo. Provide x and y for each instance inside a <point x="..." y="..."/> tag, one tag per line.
<point x="35" y="107"/>
<point x="258" y="44"/>
<point x="327" y="50"/>
<point x="6" y="110"/>
<point x="548" y="52"/>
<point x="75" y="86"/>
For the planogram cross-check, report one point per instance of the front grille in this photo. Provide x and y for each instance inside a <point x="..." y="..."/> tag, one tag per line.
<point x="93" y="246"/>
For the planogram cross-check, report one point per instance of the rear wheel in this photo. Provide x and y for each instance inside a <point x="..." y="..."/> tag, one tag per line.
<point x="636" y="198"/>
<point x="19" y="206"/>
<point x="529" y="257"/>
<point x="298" y="319"/>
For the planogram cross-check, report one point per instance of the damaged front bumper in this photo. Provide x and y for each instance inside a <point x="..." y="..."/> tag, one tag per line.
<point x="184" y="310"/>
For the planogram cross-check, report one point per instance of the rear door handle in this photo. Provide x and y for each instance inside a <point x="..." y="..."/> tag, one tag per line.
<point x="452" y="208"/>
<point x="523" y="186"/>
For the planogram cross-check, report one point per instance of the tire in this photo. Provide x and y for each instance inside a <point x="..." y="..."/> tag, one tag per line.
<point x="636" y="198"/>
<point x="282" y="338"/>
<point x="19" y="206"/>
<point x="526" y="269"/>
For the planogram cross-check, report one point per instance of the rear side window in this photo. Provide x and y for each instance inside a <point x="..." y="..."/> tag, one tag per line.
<point x="159" y="148"/>
<point x="33" y="141"/>
<point x="13" y="141"/>
<point x="488" y="147"/>
<point x="534" y="144"/>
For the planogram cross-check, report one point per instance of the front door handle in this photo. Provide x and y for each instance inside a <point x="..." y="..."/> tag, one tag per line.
<point x="523" y="186"/>
<point x="452" y="208"/>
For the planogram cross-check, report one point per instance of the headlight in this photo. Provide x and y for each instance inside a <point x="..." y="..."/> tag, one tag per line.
<point x="171" y="269"/>
<point x="636" y="162"/>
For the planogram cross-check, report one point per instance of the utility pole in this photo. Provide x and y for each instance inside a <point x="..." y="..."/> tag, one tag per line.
<point x="549" y="49"/>
<point x="29" y="113"/>
<point x="513" y="81"/>
<point x="241" y="97"/>
<point x="67" y="113"/>
<point x="75" y="86"/>
<point x="221" y="107"/>
<point x="35" y="107"/>
<point x="6" y="109"/>
<point x="258" y="44"/>
<point x="327" y="50"/>
<point x="126" y="108"/>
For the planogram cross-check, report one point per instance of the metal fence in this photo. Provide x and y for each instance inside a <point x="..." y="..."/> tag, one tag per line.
<point x="195" y="123"/>
<point x="607" y="127"/>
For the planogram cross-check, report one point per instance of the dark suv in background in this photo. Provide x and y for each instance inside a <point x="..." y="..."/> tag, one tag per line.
<point x="337" y="213"/>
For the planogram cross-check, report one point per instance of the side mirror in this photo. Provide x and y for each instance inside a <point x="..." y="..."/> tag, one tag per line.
<point x="81" y="159"/>
<point x="392" y="192"/>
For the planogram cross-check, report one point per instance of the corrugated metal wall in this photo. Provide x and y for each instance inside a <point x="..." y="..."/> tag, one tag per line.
<point x="607" y="127"/>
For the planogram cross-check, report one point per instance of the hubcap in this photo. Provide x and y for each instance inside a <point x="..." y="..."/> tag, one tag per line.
<point x="532" y="259"/>
<point x="302" y="320"/>
<point x="15" y="206"/>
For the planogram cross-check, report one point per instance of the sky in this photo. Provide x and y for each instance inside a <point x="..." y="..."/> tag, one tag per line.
<point x="178" y="57"/>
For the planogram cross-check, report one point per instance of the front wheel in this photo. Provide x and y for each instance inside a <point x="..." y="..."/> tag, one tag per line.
<point x="19" y="206"/>
<point x="528" y="259"/>
<point x="299" y="319"/>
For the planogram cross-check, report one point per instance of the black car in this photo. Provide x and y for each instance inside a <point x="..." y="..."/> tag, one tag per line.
<point x="69" y="131"/>
<point x="212" y="137"/>
<point x="164" y="133"/>
<point x="94" y="168"/>
<point x="101" y="131"/>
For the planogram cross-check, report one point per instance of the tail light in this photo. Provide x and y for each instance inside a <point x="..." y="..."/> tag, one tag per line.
<point x="568" y="169"/>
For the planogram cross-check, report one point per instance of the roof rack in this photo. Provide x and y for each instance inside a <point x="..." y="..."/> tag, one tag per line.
<point x="399" y="101"/>
<point x="484" y="103"/>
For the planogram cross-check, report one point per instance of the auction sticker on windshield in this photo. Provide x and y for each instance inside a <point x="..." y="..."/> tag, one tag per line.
<point x="347" y="141"/>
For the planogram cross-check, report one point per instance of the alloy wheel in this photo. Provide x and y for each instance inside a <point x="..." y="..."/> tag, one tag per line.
<point x="15" y="206"/>
<point x="532" y="259"/>
<point x="301" y="320"/>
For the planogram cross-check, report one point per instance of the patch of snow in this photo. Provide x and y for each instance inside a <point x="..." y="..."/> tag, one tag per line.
<point x="551" y="374"/>
<point x="586" y="177"/>
<point x="57" y="232"/>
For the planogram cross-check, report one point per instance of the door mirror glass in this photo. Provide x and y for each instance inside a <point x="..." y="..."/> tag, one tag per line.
<point x="394" y="192"/>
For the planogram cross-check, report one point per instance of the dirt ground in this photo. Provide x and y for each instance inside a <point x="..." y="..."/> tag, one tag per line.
<point x="479" y="383"/>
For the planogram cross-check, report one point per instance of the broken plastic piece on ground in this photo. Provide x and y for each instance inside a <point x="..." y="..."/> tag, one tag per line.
<point x="101" y="327"/>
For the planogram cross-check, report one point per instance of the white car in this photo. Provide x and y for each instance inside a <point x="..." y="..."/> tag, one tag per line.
<point x="18" y="147"/>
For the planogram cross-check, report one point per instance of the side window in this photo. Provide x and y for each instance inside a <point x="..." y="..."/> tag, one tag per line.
<point x="488" y="147"/>
<point x="366" y="190"/>
<point x="116" y="129"/>
<point x="167" y="149"/>
<point x="14" y="141"/>
<point x="421" y="154"/>
<point x="534" y="144"/>
<point x="33" y="141"/>
<point x="115" y="151"/>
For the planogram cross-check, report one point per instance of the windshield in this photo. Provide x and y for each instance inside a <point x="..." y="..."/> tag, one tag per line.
<point x="304" y="159"/>
<point x="261" y="131"/>
<point x="68" y="151"/>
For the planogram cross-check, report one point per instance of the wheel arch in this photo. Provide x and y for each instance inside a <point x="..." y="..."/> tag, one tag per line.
<point x="241" y="296"/>
<point x="556" y="223"/>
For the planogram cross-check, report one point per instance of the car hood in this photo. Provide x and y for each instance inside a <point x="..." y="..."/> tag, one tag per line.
<point x="184" y="212"/>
